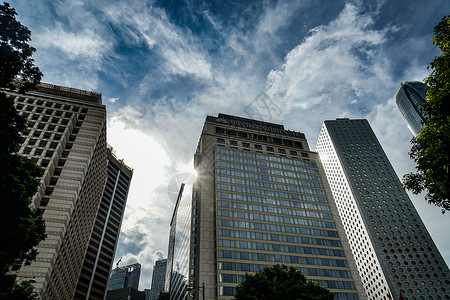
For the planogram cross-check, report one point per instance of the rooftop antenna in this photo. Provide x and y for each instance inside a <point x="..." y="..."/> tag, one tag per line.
<point x="117" y="265"/>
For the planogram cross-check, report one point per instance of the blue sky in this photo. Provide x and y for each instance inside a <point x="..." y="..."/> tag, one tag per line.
<point x="162" y="66"/>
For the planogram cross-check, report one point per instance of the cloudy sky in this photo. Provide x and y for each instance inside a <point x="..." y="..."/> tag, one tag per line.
<point x="162" y="66"/>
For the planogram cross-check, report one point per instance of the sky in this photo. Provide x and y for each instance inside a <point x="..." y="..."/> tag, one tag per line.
<point x="163" y="66"/>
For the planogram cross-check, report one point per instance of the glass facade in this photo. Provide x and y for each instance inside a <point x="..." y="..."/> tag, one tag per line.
<point x="411" y="95"/>
<point x="177" y="271"/>
<point x="394" y="252"/>
<point x="127" y="276"/>
<point x="158" y="278"/>
<point x="259" y="200"/>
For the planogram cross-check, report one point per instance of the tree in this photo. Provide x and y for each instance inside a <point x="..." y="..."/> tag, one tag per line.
<point x="431" y="148"/>
<point x="21" y="227"/>
<point x="280" y="282"/>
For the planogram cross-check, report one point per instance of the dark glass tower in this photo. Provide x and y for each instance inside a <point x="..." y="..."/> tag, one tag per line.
<point x="158" y="278"/>
<point x="394" y="252"/>
<point x="261" y="198"/>
<point x="411" y="95"/>
<point x="127" y="276"/>
<point x="177" y="272"/>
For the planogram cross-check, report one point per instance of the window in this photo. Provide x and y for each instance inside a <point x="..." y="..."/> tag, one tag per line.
<point x="242" y="134"/>
<point x="271" y="149"/>
<point x="227" y="291"/>
<point x="277" y="141"/>
<point x="258" y="147"/>
<point x="220" y="130"/>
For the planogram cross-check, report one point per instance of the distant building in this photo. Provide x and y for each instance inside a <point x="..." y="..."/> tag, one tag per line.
<point x="102" y="245"/>
<point x="126" y="293"/>
<point x="260" y="198"/>
<point x="394" y="252"/>
<point x="67" y="137"/>
<point x="158" y="278"/>
<point x="411" y="95"/>
<point x="127" y="276"/>
<point x="148" y="293"/>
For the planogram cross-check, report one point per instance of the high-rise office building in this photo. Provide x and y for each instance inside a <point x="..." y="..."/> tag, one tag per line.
<point x="158" y="278"/>
<point x="177" y="267"/>
<point x="261" y="198"/>
<point x="411" y="95"/>
<point x="67" y="137"/>
<point x="94" y="275"/>
<point x="394" y="252"/>
<point x="127" y="276"/>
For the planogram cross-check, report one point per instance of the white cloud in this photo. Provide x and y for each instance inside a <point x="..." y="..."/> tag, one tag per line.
<point x="113" y="99"/>
<point x="75" y="43"/>
<point x="180" y="49"/>
<point x="143" y="153"/>
<point x="335" y="61"/>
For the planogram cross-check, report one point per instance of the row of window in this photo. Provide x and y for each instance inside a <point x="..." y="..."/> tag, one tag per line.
<point x="269" y="193"/>
<point x="265" y="170"/>
<point x="249" y="267"/>
<point x="332" y="284"/>
<point x="264" y="184"/>
<point x="273" y="218"/>
<point x="40" y="102"/>
<point x="279" y="210"/>
<point x="267" y="177"/>
<point x="261" y="163"/>
<point x="264" y="138"/>
<point x="260" y="147"/>
<point x="279" y="258"/>
<point x="284" y="238"/>
<point x="279" y="248"/>
<point x="274" y="227"/>
<point x="280" y="202"/>
<point x="266" y="157"/>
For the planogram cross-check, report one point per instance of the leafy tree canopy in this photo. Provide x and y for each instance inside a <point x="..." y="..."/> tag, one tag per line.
<point x="431" y="148"/>
<point x="21" y="227"/>
<point x="280" y="282"/>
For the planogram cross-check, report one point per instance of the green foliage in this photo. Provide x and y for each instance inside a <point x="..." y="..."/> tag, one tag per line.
<point x="280" y="282"/>
<point x="15" y="52"/>
<point x="21" y="227"/>
<point x="431" y="148"/>
<point x="22" y="290"/>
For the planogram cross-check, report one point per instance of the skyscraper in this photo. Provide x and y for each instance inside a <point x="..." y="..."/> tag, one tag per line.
<point x="158" y="278"/>
<point x="178" y="254"/>
<point x="127" y="276"/>
<point x="394" y="252"/>
<point x="67" y="137"/>
<point x="261" y="199"/>
<point x="93" y="278"/>
<point x="411" y="95"/>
